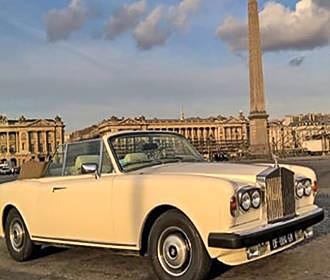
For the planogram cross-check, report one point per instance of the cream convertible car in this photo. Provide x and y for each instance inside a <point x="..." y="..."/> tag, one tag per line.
<point x="151" y="192"/>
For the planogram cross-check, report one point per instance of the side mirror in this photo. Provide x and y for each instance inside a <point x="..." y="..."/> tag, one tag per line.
<point x="90" y="168"/>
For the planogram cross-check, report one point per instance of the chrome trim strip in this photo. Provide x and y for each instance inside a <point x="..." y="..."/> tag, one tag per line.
<point x="261" y="177"/>
<point x="64" y="160"/>
<point x="101" y="158"/>
<point x="282" y="223"/>
<point x="245" y="239"/>
<point x="59" y="240"/>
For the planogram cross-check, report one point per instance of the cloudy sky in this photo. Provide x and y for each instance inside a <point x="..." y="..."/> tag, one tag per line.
<point x="89" y="59"/>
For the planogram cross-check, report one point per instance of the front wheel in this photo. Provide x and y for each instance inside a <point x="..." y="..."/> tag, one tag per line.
<point x="18" y="239"/>
<point x="176" y="249"/>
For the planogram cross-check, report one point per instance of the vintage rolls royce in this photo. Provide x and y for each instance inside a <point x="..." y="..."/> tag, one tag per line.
<point x="152" y="193"/>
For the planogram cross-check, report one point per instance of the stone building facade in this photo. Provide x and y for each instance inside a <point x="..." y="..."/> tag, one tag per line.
<point x="290" y="133"/>
<point x="229" y="135"/>
<point x="207" y="134"/>
<point x="23" y="139"/>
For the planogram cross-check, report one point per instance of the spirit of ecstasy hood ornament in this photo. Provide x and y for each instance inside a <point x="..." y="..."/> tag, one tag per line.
<point x="275" y="158"/>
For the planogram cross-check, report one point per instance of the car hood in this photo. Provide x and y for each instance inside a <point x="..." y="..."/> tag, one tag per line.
<point x="228" y="171"/>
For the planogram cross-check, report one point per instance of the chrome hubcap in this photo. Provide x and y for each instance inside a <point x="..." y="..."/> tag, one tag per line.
<point x="16" y="235"/>
<point x="174" y="251"/>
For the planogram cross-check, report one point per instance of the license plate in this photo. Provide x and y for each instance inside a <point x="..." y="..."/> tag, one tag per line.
<point x="282" y="241"/>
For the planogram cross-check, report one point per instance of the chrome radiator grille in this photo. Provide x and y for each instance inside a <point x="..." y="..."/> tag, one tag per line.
<point x="279" y="194"/>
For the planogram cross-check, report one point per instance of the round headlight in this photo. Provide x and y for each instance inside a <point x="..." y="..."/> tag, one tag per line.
<point x="245" y="201"/>
<point x="308" y="188"/>
<point x="300" y="189"/>
<point x="256" y="199"/>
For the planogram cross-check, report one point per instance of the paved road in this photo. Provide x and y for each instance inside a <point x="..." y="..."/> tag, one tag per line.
<point x="304" y="262"/>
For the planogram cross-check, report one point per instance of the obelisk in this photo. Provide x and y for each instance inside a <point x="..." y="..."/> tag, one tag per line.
<point x="259" y="143"/>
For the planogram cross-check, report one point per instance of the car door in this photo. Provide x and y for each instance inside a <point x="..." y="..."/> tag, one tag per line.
<point x="76" y="207"/>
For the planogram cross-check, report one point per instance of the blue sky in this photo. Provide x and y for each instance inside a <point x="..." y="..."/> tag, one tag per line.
<point x="85" y="77"/>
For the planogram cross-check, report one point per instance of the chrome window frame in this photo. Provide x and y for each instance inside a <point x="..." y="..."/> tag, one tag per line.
<point x="82" y="142"/>
<point x="141" y="133"/>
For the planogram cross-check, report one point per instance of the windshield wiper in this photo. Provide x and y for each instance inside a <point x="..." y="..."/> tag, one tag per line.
<point x="180" y="159"/>
<point x="140" y="162"/>
<point x="193" y="160"/>
<point x="171" y="159"/>
<point x="146" y="163"/>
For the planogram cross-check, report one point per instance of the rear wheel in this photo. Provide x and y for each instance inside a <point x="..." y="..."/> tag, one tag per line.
<point x="18" y="239"/>
<point x="176" y="249"/>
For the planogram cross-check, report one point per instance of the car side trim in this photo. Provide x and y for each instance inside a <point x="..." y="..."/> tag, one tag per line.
<point x="59" y="240"/>
<point x="264" y="234"/>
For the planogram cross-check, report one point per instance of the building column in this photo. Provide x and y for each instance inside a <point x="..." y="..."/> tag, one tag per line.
<point x="36" y="143"/>
<point x="228" y="133"/>
<point x="205" y="134"/>
<point x="216" y="134"/>
<point x="223" y="133"/>
<point x="210" y="132"/>
<point x="17" y="149"/>
<point x="189" y="133"/>
<point x="234" y="132"/>
<point x="8" y="148"/>
<point x="199" y="134"/>
<point x="55" y="143"/>
<point x="28" y="141"/>
<point x="202" y="134"/>
<point x="240" y="133"/>
<point x="44" y="142"/>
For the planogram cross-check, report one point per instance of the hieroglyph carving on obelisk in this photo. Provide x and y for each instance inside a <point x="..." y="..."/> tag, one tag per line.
<point x="259" y="143"/>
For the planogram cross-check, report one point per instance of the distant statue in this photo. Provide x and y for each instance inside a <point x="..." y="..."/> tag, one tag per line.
<point x="22" y="119"/>
<point x="58" y="119"/>
<point x="3" y="119"/>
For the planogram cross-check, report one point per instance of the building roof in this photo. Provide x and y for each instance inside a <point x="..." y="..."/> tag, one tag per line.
<point x="24" y="122"/>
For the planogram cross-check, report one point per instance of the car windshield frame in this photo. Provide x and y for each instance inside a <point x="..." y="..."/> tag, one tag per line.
<point x="199" y="157"/>
<point x="65" y="154"/>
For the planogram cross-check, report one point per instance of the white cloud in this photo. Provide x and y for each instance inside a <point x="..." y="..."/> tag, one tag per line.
<point x="126" y="18"/>
<point x="149" y="33"/>
<point x="304" y="28"/>
<point x="179" y="14"/>
<point x="162" y="22"/>
<point x="61" y="23"/>
<point x="154" y="30"/>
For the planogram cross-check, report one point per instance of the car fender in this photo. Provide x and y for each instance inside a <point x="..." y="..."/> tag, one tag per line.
<point x="207" y="206"/>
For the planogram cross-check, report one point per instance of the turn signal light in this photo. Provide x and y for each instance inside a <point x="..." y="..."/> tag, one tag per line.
<point x="233" y="206"/>
<point x="315" y="187"/>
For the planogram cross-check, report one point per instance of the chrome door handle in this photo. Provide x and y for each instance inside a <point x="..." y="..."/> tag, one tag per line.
<point x="54" y="189"/>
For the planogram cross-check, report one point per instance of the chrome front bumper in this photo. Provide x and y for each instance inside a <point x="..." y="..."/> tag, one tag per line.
<point x="264" y="233"/>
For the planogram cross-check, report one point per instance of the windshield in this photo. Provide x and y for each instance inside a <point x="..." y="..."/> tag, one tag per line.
<point x="135" y="151"/>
